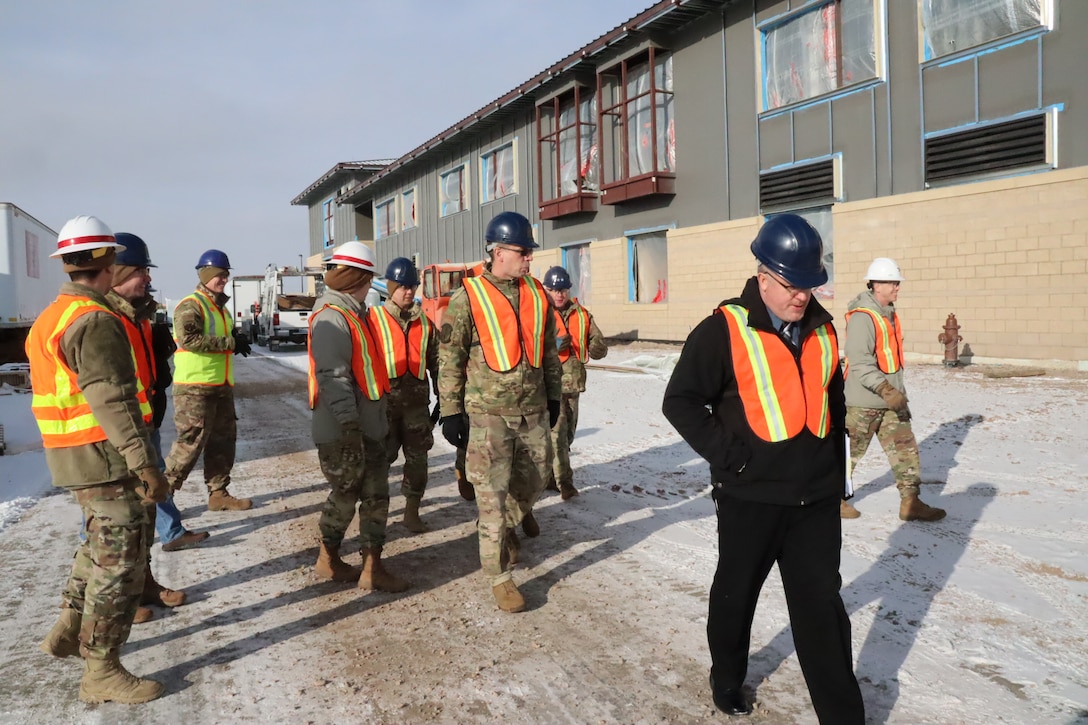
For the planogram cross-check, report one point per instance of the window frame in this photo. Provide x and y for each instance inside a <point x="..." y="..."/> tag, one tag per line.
<point x="880" y="72"/>
<point x="465" y="200"/>
<point x="632" y="246"/>
<point x="655" y="181"/>
<point x="583" y="294"/>
<point x="391" y="203"/>
<point x="584" y="197"/>
<point x="491" y="153"/>
<point x="404" y="216"/>
<point x="328" y="224"/>
<point x="924" y="58"/>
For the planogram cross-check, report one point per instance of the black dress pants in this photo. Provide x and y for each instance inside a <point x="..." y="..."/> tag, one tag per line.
<point x="805" y="542"/>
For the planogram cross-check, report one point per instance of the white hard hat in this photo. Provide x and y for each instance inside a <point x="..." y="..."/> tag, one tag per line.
<point x="883" y="269"/>
<point x="84" y="233"/>
<point x="355" y="254"/>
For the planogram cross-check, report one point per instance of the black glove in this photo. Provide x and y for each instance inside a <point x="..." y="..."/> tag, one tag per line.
<point x="241" y="343"/>
<point x="553" y="413"/>
<point x="455" y="430"/>
<point x="435" y="413"/>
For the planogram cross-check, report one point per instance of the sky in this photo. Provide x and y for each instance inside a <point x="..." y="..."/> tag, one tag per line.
<point x="194" y="123"/>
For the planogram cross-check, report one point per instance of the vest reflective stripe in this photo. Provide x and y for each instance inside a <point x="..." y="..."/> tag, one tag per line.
<point x="139" y="337"/>
<point x="205" y="368"/>
<point x="403" y="350"/>
<point x="62" y="412"/>
<point x="577" y="328"/>
<point x="504" y="331"/>
<point x="371" y="379"/>
<point x="781" y="396"/>
<point x="889" y="341"/>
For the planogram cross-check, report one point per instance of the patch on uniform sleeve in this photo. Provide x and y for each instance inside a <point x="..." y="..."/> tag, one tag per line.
<point x="445" y="333"/>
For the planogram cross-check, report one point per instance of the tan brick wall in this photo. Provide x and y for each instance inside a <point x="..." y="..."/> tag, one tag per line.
<point x="1009" y="257"/>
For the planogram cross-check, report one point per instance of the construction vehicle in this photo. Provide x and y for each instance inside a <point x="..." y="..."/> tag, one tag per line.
<point x="439" y="283"/>
<point x="29" y="279"/>
<point x="283" y="315"/>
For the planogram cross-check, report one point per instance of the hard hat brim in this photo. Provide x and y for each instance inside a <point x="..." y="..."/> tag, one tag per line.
<point x="87" y="246"/>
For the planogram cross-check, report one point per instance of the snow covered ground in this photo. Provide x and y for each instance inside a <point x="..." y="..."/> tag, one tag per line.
<point x="980" y="618"/>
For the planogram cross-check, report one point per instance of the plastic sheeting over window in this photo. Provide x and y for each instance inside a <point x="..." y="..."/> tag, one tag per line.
<point x="385" y="219"/>
<point x="408" y="209"/>
<point x="578" y="147"/>
<point x="649" y="272"/>
<point x="451" y="191"/>
<point x="819" y="51"/>
<point x="645" y="138"/>
<point x="497" y="173"/>
<point x="576" y="262"/>
<point x="949" y="26"/>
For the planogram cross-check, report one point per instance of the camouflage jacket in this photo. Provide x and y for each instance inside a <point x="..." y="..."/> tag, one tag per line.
<point x="97" y="349"/>
<point x="574" y="371"/>
<point x="189" y="334"/>
<point x="409" y="391"/>
<point x="467" y="385"/>
<point x="340" y="401"/>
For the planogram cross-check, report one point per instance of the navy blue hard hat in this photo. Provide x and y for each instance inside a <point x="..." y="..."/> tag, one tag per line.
<point x="402" y="271"/>
<point x="556" y="278"/>
<point x="791" y="248"/>
<point x="135" y="252"/>
<point x="511" y="228"/>
<point x="213" y="258"/>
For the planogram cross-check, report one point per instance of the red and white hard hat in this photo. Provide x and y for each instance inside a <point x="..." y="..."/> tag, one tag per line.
<point x="84" y="233"/>
<point x="355" y="254"/>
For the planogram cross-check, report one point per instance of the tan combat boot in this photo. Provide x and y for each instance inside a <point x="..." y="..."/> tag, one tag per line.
<point x="155" y="593"/>
<point x="508" y="597"/>
<point x="530" y="526"/>
<point x="567" y="491"/>
<point x="223" y="501"/>
<point x="412" y="522"/>
<point x="330" y="566"/>
<point x="108" y="681"/>
<point x="847" y="511"/>
<point x="375" y="576"/>
<point x="911" y="508"/>
<point x="466" y="489"/>
<point x="143" y="614"/>
<point x="63" y="639"/>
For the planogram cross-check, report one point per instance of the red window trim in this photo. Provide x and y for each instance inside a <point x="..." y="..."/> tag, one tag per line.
<point x="582" y="200"/>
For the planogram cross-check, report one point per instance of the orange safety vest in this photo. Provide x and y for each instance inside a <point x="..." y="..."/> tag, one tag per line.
<point x="371" y="379"/>
<point x="63" y="414"/>
<point x="139" y="337"/>
<point x="577" y="330"/>
<point x="403" y="350"/>
<point x="503" y="330"/>
<point x="781" y="398"/>
<point x="889" y="341"/>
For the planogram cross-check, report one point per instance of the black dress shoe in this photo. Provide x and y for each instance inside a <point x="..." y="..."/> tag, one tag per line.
<point x="731" y="702"/>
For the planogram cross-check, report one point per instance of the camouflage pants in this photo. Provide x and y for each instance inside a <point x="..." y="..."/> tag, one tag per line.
<point x="895" y="436"/>
<point x="507" y="463"/>
<point x="205" y="424"/>
<point x="562" y="438"/>
<point x="410" y="428"/>
<point x="358" y="476"/>
<point x="107" y="578"/>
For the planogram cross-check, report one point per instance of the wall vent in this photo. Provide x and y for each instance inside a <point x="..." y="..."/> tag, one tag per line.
<point x="800" y="185"/>
<point x="992" y="149"/>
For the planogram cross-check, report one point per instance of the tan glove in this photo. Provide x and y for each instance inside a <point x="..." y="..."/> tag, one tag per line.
<point x="896" y="400"/>
<point x="156" y="487"/>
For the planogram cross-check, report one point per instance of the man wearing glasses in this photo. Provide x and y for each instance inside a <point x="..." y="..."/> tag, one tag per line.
<point x="498" y="363"/>
<point x="758" y="393"/>
<point x="204" y="385"/>
<point x="876" y="401"/>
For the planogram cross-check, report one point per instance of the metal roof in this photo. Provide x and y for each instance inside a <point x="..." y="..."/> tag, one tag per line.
<point x="665" y="15"/>
<point x="340" y="169"/>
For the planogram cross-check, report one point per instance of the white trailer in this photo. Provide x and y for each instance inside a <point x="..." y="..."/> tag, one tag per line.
<point x="29" y="279"/>
<point x="245" y="301"/>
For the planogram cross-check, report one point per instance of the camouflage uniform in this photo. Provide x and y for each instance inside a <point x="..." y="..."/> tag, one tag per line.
<point x="866" y="412"/>
<point x="349" y="430"/>
<point x="107" y="576"/>
<point x="410" y="423"/>
<point x="574" y="384"/>
<point x="204" y="415"/>
<point x="508" y="422"/>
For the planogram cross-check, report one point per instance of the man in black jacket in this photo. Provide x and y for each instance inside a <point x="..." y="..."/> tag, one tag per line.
<point x="758" y="393"/>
